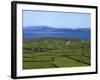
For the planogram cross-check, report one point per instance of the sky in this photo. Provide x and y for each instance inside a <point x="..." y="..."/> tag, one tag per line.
<point x="56" y="19"/>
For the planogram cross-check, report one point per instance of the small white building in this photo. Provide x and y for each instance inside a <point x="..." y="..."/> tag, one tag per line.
<point x="68" y="43"/>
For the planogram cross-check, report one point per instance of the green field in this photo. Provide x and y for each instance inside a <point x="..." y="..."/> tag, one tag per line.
<point x="55" y="53"/>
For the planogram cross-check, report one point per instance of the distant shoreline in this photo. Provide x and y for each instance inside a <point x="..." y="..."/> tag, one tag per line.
<point x="64" y="39"/>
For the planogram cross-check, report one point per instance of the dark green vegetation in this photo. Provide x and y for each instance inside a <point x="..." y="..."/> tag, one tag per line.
<point x="55" y="53"/>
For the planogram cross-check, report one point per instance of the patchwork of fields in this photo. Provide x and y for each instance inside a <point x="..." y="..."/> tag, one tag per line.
<point x="55" y="53"/>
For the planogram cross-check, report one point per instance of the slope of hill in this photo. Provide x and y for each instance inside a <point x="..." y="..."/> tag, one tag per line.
<point x="54" y="53"/>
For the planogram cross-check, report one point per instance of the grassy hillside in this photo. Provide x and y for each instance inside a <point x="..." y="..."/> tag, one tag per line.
<point x="55" y="53"/>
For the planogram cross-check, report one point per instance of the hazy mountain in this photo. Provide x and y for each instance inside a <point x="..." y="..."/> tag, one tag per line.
<point x="38" y="28"/>
<point x="46" y="28"/>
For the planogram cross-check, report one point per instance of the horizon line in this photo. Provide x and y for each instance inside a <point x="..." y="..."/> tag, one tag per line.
<point x="56" y="27"/>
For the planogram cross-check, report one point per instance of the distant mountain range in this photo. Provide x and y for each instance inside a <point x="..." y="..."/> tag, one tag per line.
<point x="35" y="32"/>
<point x="46" y="28"/>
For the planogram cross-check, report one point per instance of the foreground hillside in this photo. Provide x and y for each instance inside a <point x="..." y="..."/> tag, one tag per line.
<point x="55" y="53"/>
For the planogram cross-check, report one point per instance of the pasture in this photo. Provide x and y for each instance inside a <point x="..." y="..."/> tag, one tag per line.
<point x="55" y="53"/>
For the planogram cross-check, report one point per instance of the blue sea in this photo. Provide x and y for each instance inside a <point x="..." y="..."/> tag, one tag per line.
<point x="36" y="33"/>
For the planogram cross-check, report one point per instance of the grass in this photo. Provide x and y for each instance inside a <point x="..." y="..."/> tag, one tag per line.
<point x="51" y="53"/>
<point x="66" y="62"/>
